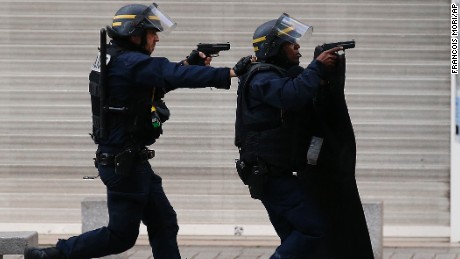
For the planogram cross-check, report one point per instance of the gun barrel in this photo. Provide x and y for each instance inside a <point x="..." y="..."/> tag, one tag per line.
<point x="212" y="48"/>
<point x="223" y="46"/>
<point x="345" y="45"/>
<point x="219" y="46"/>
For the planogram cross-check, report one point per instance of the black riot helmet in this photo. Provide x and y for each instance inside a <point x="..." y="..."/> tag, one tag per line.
<point x="134" y="19"/>
<point x="269" y="36"/>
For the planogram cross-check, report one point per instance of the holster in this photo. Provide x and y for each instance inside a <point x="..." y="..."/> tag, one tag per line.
<point x="243" y="170"/>
<point x="254" y="176"/>
<point x="125" y="162"/>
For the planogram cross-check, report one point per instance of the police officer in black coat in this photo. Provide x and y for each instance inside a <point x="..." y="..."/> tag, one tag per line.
<point x="287" y="148"/>
<point x="134" y="114"/>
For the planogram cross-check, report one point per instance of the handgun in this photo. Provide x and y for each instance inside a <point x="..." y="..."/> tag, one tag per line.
<point x="212" y="49"/>
<point x="327" y="46"/>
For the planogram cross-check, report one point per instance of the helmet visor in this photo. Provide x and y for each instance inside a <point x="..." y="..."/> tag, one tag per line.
<point x="291" y="29"/>
<point x="155" y="18"/>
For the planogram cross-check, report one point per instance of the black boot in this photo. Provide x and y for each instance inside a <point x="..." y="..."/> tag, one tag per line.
<point x="43" y="253"/>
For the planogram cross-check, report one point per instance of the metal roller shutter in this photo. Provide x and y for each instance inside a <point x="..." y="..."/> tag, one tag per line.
<point x="398" y="90"/>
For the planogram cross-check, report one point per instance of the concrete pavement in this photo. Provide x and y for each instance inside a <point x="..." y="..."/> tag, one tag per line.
<point x="239" y="252"/>
<point x="436" y="251"/>
<point x="232" y="247"/>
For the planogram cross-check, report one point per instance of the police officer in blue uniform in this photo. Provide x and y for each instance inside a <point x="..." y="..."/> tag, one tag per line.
<point x="134" y="114"/>
<point x="275" y="132"/>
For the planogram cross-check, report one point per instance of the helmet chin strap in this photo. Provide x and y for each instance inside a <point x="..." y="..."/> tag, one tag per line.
<point x="142" y="45"/>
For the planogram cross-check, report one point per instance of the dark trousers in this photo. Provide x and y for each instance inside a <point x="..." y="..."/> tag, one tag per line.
<point x="130" y="200"/>
<point x="296" y="218"/>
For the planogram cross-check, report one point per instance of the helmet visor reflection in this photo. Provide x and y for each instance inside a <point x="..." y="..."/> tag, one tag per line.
<point x="158" y="19"/>
<point x="291" y="29"/>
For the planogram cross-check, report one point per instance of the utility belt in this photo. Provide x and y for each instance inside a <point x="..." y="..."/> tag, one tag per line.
<point x="255" y="175"/>
<point x="125" y="161"/>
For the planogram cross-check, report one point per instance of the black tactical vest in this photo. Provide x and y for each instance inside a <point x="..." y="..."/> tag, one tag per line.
<point x="139" y="121"/>
<point x="273" y="135"/>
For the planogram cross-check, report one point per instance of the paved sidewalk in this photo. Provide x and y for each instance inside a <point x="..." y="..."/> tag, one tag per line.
<point x="235" y="252"/>
<point x="212" y="252"/>
<point x="264" y="252"/>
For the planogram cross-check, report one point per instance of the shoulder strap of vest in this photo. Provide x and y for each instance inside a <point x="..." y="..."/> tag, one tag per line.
<point x="259" y="67"/>
<point x="256" y="68"/>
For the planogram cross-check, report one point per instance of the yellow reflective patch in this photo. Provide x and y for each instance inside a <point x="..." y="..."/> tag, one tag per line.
<point x="115" y="24"/>
<point x="124" y="16"/>
<point x="286" y="31"/>
<point x="256" y="49"/>
<point x="132" y="16"/>
<point x="259" y="39"/>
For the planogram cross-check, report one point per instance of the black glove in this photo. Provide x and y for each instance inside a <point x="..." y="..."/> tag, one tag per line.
<point x="195" y="59"/>
<point x="243" y="65"/>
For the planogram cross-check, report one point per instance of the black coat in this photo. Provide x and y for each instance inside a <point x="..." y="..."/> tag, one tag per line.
<point x="333" y="177"/>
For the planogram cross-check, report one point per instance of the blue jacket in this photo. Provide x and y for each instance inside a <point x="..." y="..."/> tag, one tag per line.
<point x="132" y="78"/>
<point x="286" y="93"/>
